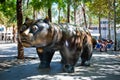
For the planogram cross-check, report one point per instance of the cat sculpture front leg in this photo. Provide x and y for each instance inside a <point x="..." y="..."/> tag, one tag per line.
<point x="45" y="56"/>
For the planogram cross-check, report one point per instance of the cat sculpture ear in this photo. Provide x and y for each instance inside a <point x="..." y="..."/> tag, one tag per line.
<point x="27" y="19"/>
<point x="46" y="20"/>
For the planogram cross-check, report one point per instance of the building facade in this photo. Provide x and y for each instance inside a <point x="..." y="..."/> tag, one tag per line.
<point x="94" y="29"/>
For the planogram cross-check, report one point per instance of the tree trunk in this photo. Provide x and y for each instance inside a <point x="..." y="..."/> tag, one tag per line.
<point x="83" y="9"/>
<point x="14" y="33"/>
<point x="19" y="24"/>
<point x="34" y="16"/>
<point x="50" y="14"/>
<point x="59" y="15"/>
<point x="109" y="32"/>
<point x="115" y="47"/>
<point x="68" y="12"/>
<point x="99" y="27"/>
<point x="27" y="3"/>
<point x="74" y="15"/>
<point x="90" y="22"/>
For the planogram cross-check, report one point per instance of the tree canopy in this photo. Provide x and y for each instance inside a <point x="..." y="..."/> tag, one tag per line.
<point x="93" y="8"/>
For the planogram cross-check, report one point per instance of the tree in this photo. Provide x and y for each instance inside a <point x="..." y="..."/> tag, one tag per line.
<point x="99" y="8"/>
<point x="36" y="6"/>
<point x="19" y="24"/>
<point x="42" y="4"/>
<point x="75" y="5"/>
<point x="83" y="6"/>
<point x="48" y="5"/>
<point x="8" y="16"/>
<point x="8" y="10"/>
<point x="118" y="11"/>
<point x="3" y="19"/>
<point x="84" y="14"/>
<point x="114" y="8"/>
<point x="109" y="7"/>
<point x="2" y="16"/>
<point x="61" y="9"/>
<point x="68" y="11"/>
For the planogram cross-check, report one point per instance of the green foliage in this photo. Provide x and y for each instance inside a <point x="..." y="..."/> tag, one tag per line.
<point x="61" y="4"/>
<point x="36" y="4"/>
<point x="103" y="7"/>
<point x="118" y="12"/>
<point x="3" y="19"/>
<point x="8" y="9"/>
<point x="27" y="12"/>
<point x="95" y="8"/>
<point x="99" y="8"/>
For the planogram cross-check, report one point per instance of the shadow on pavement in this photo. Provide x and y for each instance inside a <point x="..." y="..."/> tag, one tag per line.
<point x="104" y="66"/>
<point x="29" y="70"/>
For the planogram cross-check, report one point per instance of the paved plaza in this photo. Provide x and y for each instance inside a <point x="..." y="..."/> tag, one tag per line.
<point x="104" y="66"/>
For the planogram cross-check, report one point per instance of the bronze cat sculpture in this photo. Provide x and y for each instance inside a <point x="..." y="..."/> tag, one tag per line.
<point x="73" y="42"/>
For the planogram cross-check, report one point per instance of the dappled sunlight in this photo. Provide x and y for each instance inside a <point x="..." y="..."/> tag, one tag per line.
<point x="99" y="69"/>
<point x="50" y="77"/>
<point x="104" y="66"/>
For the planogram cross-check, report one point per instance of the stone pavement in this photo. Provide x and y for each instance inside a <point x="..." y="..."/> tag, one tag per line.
<point x="104" y="66"/>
